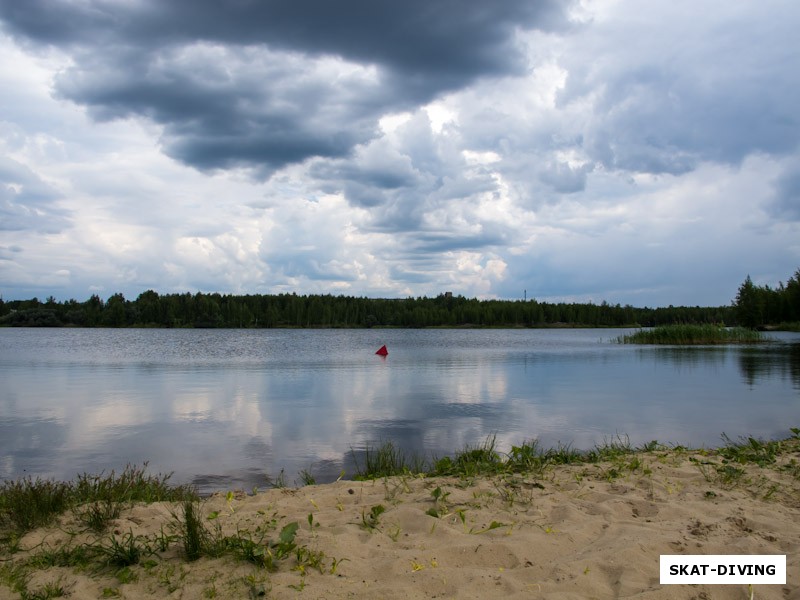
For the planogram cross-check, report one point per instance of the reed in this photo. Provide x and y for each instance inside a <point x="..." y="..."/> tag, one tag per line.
<point x="693" y="335"/>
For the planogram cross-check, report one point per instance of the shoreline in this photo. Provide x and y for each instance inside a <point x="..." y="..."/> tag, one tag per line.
<point x="582" y="530"/>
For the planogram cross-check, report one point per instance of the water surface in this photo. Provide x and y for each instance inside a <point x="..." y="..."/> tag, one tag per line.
<point x="227" y="408"/>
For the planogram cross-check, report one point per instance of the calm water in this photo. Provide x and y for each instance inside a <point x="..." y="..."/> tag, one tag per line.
<point x="226" y="408"/>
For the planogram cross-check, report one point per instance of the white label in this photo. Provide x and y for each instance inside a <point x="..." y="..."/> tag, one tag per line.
<point x="723" y="568"/>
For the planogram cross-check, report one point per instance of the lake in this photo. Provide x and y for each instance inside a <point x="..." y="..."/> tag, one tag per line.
<point x="226" y="409"/>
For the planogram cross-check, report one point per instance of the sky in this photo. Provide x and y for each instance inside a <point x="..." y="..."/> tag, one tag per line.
<point x="640" y="152"/>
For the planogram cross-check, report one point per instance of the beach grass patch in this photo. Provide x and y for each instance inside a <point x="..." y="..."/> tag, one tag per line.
<point x="267" y="553"/>
<point x="133" y="484"/>
<point x="98" y="515"/>
<point x="306" y="478"/>
<point x="386" y="460"/>
<point x="750" y="450"/>
<point x="124" y="550"/>
<point x="278" y="482"/>
<point x="28" y="503"/>
<point x="472" y="461"/>
<point x="79" y="556"/>
<point x="51" y="589"/>
<point x="192" y="532"/>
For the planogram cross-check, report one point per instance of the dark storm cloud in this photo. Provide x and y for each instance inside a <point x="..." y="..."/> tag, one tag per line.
<point x="456" y="39"/>
<point x="244" y="83"/>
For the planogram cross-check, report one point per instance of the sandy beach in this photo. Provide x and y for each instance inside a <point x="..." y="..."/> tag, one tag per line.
<point x="577" y="531"/>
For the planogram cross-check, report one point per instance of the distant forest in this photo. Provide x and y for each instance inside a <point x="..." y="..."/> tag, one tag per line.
<point x="754" y="306"/>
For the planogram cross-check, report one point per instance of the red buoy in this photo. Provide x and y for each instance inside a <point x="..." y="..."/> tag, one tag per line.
<point x="383" y="351"/>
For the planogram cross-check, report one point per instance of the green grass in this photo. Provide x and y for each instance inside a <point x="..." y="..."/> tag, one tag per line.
<point x="253" y="547"/>
<point x="193" y="533"/>
<point x="124" y="551"/>
<point x="530" y="458"/>
<point x="385" y="461"/>
<point x="97" y="500"/>
<point x="28" y="503"/>
<point x="751" y="450"/>
<point x="472" y="461"/>
<point x="133" y="484"/>
<point x="77" y="556"/>
<point x="693" y="335"/>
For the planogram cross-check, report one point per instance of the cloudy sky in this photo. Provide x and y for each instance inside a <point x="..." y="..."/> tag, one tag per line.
<point x="634" y="151"/>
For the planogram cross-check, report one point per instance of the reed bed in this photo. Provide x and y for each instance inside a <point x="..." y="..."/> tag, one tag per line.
<point x="693" y="335"/>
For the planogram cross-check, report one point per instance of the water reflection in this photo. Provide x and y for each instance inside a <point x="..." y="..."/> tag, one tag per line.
<point x="227" y="409"/>
<point x="768" y="362"/>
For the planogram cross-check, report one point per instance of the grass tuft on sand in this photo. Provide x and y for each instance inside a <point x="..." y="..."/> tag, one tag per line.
<point x="28" y="503"/>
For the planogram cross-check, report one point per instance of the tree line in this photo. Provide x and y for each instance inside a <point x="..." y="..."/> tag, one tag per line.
<point x="151" y="309"/>
<point x="758" y="306"/>
<point x="754" y="306"/>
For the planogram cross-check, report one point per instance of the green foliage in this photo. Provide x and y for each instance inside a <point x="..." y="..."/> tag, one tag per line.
<point x="490" y="527"/>
<point x="752" y="307"/>
<point x="440" y="503"/>
<point x="262" y="552"/>
<point x="32" y="317"/>
<point x="369" y="520"/>
<point x="473" y="460"/>
<point x="756" y="306"/>
<point x="478" y="460"/>
<point x="750" y="450"/>
<point x="253" y="547"/>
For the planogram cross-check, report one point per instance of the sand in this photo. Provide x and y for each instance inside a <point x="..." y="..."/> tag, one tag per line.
<point x="584" y="531"/>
